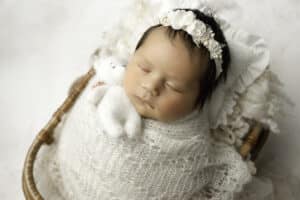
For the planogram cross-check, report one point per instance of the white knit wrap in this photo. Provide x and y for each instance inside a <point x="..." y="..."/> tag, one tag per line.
<point x="177" y="160"/>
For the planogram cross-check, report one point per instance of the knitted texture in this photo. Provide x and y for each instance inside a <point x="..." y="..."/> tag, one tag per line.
<point x="177" y="160"/>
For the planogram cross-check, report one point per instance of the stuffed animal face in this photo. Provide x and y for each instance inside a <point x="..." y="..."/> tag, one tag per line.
<point x="110" y="70"/>
<point x="161" y="79"/>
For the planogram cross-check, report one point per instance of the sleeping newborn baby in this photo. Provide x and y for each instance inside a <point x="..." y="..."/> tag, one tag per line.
<point x="167" y="80"/>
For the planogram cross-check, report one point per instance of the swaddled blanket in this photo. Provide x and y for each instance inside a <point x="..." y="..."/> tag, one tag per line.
<point x="177" y="160"/>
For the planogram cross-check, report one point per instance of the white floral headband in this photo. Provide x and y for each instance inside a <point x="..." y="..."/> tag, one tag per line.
<point x="200" y="32"/>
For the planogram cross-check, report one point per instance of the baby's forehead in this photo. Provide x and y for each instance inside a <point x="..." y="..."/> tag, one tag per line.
<point x="179" y="41"/>
<point x="175" y="67"/>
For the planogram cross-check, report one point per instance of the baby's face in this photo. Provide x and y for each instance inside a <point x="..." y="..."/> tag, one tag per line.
<point x="162" y="78"/>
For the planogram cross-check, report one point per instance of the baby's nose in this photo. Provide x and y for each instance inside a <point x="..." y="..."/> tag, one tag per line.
<point x="150" y="89"/>
<point x="151" y="86"/>
<point x="147" y="94"/>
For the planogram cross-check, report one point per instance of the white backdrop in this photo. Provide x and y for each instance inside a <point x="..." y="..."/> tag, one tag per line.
<point x="45" y="44"/>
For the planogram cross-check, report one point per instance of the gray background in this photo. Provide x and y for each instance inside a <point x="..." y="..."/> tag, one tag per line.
<point x="45" y="44"/>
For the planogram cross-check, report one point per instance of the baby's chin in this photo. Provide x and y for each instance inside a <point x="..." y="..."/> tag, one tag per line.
<point x="147" y="113"/>
<point x="144" y="110"/>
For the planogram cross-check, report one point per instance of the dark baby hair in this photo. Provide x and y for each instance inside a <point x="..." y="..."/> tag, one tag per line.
<point x="208" y="83"/>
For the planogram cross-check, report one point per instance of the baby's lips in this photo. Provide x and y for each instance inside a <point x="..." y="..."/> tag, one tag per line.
<point x="99" y="83"/>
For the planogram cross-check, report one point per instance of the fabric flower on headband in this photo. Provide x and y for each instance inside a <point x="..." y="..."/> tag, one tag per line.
<point x="200" y="32"/>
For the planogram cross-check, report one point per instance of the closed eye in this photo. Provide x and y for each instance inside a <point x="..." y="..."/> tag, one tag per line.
<point x="144" y="69"/>
<point x="173" y="88"/>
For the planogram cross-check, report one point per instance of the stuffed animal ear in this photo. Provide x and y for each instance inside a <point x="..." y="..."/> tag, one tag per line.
<point x="110" y="70"/>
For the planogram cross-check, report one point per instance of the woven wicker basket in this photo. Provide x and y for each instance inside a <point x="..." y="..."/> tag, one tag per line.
<point x="252" y="145"/>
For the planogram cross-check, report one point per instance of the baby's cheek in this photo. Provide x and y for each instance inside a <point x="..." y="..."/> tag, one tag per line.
<point x="129" y="80"/>
<point x="173" y="107"/>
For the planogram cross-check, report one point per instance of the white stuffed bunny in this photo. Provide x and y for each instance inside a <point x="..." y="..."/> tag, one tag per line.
<point x="116" y="113"/>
